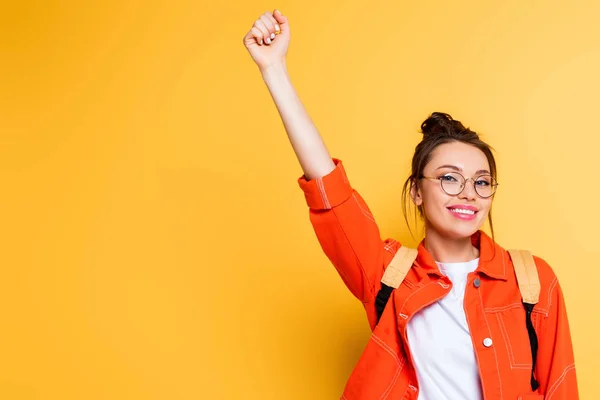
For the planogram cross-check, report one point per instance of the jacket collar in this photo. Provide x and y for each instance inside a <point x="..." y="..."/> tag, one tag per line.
<point x="492" y="257"/>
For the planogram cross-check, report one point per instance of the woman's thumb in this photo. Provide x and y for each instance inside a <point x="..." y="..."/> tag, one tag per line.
<point x="280" y="18"/>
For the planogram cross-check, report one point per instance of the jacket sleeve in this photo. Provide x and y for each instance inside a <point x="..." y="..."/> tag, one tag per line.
<point x="347" y="232"/>
<point x="555" y="361"/>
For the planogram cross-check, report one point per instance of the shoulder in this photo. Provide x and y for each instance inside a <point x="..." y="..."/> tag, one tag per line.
<point x="545" y="271"/>
<point x="548" y="283"/>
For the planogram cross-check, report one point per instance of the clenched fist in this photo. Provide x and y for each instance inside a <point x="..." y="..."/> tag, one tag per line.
<point x="268" y="39"/>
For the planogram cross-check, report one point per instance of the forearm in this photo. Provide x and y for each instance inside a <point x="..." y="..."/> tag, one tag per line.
<point x="306" y="141"/>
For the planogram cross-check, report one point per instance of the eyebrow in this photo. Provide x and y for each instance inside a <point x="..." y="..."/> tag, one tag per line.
<point x="481" y="171"/>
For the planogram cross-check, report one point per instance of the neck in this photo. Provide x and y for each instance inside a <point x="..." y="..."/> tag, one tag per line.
<point x="444" y="249"/>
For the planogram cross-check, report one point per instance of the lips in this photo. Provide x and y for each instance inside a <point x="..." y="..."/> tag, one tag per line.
<point x="464" y="208"/>
<point x="463" y="211"/>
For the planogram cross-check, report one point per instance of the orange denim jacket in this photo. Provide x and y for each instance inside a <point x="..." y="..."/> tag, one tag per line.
<point x="349" y="236"/>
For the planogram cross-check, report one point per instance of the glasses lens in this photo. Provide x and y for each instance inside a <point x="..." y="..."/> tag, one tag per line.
<point x="485" y="185"/>
<point x="452" y="183"/>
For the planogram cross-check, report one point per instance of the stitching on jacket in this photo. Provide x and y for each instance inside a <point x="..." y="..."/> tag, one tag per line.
<point x="400" y="365"/>
<point x="513" y="364"/>
<point x="358" y="261"/>
<point x="552" y="287"/>
<point x="387" y="348"/>
<point x="493" y="347"/>
<point x="321" y="186"/>
<point x="475" y="350"/>
<point x="365" y="212"/>
<point x="504" y="308"/>
<point x="442" y="284"/>
<point x="534" y="322"/>
<point x="408" y="283"/>
<point x="537" y="309"/>
<point x="391" y="385"/>
<point x="434" y="300"/>
<point x="404" y="394"/>
<point x="413" y="293"/>
<point x="560" y="380"/>
<point x="343" y="171"/>
<point x="391" y="245"/>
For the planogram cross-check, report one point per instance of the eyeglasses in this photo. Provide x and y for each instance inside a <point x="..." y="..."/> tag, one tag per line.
<point x="454" y="183"/>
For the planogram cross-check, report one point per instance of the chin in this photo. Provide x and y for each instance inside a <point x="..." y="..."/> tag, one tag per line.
<point x="460" y="230"/>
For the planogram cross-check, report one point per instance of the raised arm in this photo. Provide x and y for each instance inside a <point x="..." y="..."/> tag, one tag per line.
<point x="343" y="223"/>
<point x="270" y="57"/>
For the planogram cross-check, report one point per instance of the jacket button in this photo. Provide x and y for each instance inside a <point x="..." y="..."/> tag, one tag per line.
<point x="477" y="282"/>
<point x="487" y="342"/>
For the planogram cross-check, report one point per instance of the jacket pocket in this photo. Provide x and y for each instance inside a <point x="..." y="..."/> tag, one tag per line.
<point x="513" y="332"/>
<point x="379" y="372"/>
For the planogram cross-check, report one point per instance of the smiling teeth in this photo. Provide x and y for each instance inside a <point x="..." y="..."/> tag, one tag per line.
<point x="461" y="211"/>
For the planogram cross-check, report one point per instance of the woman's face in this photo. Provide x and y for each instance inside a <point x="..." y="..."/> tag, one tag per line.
<point x="459" y="216"/>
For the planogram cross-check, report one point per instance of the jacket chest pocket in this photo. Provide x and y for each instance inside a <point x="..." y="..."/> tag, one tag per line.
<point x="509" y="327"/>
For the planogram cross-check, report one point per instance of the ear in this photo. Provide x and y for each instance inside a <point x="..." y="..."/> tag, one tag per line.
<point x="415" y="194"/>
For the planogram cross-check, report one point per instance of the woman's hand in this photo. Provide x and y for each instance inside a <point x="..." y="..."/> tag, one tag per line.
<point x="268" y="40"/>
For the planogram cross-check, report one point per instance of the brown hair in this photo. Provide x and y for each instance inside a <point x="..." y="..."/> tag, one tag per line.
<point x="437" y="129"/>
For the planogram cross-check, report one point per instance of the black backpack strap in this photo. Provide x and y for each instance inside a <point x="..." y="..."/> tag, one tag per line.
<point x="382" y="298"/>
<point x="393" y="276"/>
<point x="529" y="285"/>
<point x="533" y="342"/>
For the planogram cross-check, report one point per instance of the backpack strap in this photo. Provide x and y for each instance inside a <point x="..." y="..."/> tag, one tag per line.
<point x="527" y="275"/>
<point x="529" y="285"/>
<point x="394" y="275"/>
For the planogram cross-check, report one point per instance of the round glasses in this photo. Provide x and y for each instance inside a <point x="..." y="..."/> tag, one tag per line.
<point x="454" y="183"/>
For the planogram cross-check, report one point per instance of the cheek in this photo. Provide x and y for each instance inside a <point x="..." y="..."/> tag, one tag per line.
<point x="484" y="212"/>
<point x="486" y="209"/>
<point x="435" y="203"/>
<point x="486" y="205"/>
<point x="435" y="196"/>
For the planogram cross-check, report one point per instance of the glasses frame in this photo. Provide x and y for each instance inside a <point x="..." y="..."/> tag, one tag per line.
<point x="464" y="185"/>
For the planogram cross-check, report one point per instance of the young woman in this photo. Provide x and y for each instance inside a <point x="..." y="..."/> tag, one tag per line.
<point x="456" y="327"/>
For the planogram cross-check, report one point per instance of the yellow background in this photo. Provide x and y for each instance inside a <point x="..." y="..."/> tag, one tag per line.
<point x="155" y="244"/>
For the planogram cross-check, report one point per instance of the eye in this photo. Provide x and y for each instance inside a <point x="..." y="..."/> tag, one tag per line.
<point x="484" y="181"/>
<point x="448" y="178"/>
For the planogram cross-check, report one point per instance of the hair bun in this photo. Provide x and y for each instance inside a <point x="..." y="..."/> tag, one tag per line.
<point x="440" y="124"/>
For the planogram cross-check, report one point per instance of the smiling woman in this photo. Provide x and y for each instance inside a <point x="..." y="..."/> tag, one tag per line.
<point x="455" y="328"/>
<point x="457" y="324"/>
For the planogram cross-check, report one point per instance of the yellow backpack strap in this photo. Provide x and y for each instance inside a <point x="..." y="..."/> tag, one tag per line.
<point x="399" y="266"/>
<point x="394" y="275"/>
<point x="527" y="275"/>
<point x="529" y="285"/>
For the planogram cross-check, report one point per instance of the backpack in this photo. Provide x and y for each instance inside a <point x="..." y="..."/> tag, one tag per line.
<point x="527" y="279"/>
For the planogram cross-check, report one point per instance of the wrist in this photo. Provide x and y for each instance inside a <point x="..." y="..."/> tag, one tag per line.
<point x="276" y="69"/>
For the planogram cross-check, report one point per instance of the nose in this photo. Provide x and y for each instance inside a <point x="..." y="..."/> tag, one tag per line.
<point x="468" y="191"/>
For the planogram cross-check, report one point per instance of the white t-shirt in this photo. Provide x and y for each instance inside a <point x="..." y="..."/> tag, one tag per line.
<point x="441" y="345"/>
